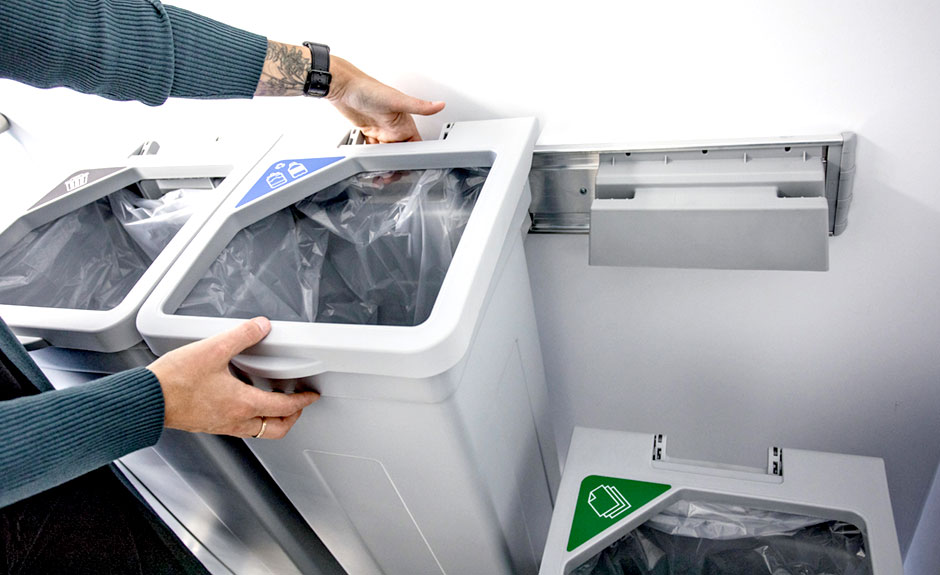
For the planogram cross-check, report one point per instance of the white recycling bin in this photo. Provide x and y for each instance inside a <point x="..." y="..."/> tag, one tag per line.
<point x="74" y="271"/>
<point x="625" y="507"/>
<point x="396" y="282"/>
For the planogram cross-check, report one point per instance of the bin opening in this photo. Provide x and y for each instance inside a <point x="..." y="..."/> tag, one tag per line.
<point x="371" y="249"/>
<point x="91" y="258"/>
<point x="699" y="538"/>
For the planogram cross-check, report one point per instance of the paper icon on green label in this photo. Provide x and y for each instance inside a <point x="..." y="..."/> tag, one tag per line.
<point x="608" y="499"/>
<point x="604" y="501"/>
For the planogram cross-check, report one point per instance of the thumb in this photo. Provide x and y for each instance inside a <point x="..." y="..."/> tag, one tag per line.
<point x="237" y="340"/>
<point x="409" y="105"/>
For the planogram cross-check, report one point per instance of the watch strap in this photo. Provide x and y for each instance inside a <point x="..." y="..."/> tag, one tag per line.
<point x="318" y="79"/>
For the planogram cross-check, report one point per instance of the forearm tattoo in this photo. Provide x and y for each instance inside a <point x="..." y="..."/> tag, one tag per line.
<point x="285" y="70"/>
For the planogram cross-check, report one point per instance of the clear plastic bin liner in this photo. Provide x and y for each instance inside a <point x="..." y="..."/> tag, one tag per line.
<point x="698" y="539"/>
<point x="153" y="223"/>
<point x="91" y="258"/>
<point x="372" y="249"/>
<point x="725" y="521"/>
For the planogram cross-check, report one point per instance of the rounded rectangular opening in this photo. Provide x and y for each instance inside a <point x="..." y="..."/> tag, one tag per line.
<point x="371" y="249"/>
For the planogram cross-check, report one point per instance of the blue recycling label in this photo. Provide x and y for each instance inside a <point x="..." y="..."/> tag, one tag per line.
<point x="284" y="172"/>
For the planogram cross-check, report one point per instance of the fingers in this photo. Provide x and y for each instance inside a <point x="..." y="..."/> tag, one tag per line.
<point x="279" y="426"/>
<point x="273" y="404"/>
<point x="239" y="339"/>
<point x="274" y="427"/>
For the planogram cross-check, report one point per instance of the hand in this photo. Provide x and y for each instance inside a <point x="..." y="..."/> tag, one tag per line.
<point x="382" y="113"/>
<point x="201" y="394"/>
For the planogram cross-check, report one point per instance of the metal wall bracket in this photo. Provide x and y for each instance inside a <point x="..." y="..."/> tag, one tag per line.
<point x="564" y="179"/>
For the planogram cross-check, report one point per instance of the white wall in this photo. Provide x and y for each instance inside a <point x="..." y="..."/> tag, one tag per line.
<point x="726" y="363"/>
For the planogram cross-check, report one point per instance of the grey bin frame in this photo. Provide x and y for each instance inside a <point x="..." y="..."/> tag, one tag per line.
<point x="847" y="488"/>
<point x="101" y="330"/>
<point x="394" y="395"/>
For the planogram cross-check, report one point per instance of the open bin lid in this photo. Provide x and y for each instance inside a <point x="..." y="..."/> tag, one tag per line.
<point x="615" y="481"/>
<point x="295" y="171"/>
<point x="111" y="327"/>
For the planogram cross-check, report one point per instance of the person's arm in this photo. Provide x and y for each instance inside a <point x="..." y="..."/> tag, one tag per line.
<point x="127" y="50"/>
<point x="143" y="50"/>
<point x="49" y="438"/>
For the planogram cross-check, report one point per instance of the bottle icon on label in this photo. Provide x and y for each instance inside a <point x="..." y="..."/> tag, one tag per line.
<point x="296" y="169"/>
<point x="276" y="179"/>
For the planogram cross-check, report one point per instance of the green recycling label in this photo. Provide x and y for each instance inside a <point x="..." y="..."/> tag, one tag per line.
<point x="604" y="501"/>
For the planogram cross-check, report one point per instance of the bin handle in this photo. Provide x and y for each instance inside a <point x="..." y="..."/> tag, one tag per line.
<point x="31" y="342"/>
<point x="278" y="367"/>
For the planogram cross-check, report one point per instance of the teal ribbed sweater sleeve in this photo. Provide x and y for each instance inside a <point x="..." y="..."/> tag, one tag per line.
<point x="49" y="438"/>
<point x="127" y="50"/>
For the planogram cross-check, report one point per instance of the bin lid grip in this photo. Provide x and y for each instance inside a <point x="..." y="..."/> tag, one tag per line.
<point x="278" y="367"/>
<point x="32" y="343"/>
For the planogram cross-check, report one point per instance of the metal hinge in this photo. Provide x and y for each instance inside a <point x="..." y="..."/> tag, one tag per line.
<point x="775" y="461"/>
<point x="659" y="446"/>
<point x="445" y="131"/>
<point x="148" y="148"/>
<point x="353" y="137"/>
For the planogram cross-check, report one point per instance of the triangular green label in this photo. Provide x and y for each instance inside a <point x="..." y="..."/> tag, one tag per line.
<point x="604" y="501"/>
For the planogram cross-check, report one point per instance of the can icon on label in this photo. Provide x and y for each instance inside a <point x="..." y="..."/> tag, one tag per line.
<point x="276" y="179"/>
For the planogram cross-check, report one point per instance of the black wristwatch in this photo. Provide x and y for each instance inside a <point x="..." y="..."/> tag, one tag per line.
<point x="318" y="76"/>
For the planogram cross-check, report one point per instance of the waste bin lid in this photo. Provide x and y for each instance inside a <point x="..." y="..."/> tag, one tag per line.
<point x="615" y="482"/>
<point x="298" y="182"/>
<point x="87" y="199"/>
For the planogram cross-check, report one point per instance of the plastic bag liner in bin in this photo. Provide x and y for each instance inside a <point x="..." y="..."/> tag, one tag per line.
<point x="371" y="249"/>
<point x="91" y="258"/>
<point x="696" y="538"/>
